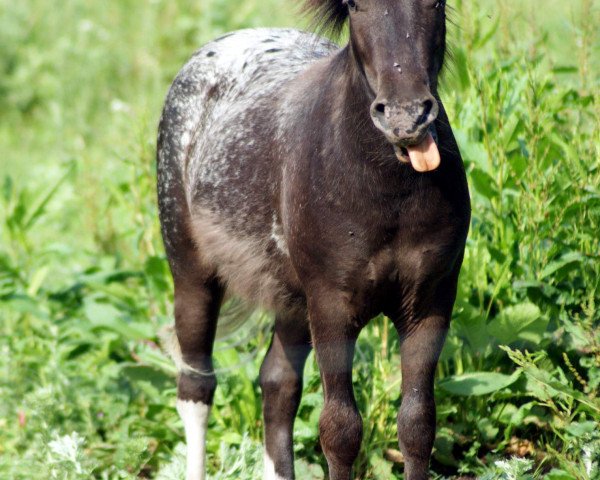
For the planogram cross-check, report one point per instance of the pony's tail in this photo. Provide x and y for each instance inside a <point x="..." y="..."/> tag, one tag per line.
<point x="238" y="325"/>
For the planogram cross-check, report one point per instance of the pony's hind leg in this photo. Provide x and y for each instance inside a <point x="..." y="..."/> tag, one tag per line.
<point x="196" y="310"/>
<point x="281" y="384"/>
<point x="198" y="292"/>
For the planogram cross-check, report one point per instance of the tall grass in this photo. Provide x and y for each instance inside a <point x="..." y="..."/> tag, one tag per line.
<point x="84" y="286"/>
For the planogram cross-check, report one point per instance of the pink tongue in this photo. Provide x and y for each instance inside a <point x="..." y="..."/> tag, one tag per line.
<point x="425" y="156"/>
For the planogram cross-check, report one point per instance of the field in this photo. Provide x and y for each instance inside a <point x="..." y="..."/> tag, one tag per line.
<point x="84" y="286"/>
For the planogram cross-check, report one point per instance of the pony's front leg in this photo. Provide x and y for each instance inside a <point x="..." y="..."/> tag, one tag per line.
<point x="334" y="337"/>
<point x="422" y="339"/>
<point x="419" y="351"/>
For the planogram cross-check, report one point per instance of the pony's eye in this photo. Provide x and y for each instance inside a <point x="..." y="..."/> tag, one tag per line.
<point x="440" y="4"/>
<point x="351" y="5"/>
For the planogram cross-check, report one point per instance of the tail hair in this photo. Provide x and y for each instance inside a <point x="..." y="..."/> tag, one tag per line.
<point x="238" y="325"/>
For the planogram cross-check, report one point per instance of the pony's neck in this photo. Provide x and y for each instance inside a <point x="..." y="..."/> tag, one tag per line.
<point x="353" y="102"/>
<point x="357" y="84"/>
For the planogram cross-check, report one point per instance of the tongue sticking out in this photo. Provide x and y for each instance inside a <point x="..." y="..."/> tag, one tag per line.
<point x="425" y="156"/>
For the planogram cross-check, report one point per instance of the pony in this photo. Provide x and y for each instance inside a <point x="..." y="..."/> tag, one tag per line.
<point x="322" y="183"/>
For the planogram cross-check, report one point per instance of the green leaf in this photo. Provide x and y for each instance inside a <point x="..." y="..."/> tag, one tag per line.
<point x="484" y="184"/>
<point x="105" y="315"/>
<point x="578" y="429"/>
<point x="382" y="469"/>
<point x="444" y="447"/>
<point x="518" y="322"/>
<point x="477" y="383"/>
<point x="7" y="188"/>
<point x="157" y="272"/>
<point x="561" y="267"/>
<point x="142" y="373"/>
<point x="472" y="151"/>
<point x="556" y="474"/>
<point x="470" y="324"/>
<point x="231" y="438"/>
<point x="482" y="40"/>
<point x="487" y="429"/>
<point x="548" y="382"/>
<point x="565" y="69"/>
<point x="43" y="203"/>
<point x="27" y="305"/>
<point x="304" y="430"/>
<point x="308" y="470"/>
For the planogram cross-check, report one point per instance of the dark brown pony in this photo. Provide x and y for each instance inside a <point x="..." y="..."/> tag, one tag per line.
<point x="307" y="179"/>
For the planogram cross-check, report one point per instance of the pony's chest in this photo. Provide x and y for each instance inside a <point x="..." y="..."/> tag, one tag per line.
<point x="418" y="251"/>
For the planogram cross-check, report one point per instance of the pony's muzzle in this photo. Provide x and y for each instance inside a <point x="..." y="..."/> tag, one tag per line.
<point x="408" y="126"/>
<point x="404" y="122"/>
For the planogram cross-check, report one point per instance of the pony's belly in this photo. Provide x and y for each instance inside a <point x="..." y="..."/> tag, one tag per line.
<point x="254" y="267"/>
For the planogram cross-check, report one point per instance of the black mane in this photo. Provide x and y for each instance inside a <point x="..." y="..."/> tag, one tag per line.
<point x="328" y="15"/>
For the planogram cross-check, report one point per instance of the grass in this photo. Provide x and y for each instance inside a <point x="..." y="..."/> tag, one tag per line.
<point x="84" y="286"/>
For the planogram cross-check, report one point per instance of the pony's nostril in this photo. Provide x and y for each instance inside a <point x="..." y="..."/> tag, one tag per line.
<point x="424" y="117"/>
<point x="380" y="108"/>
<point x="427" y="107"/>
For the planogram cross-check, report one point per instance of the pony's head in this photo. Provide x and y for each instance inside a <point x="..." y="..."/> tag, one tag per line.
<point x="399" y="46"/>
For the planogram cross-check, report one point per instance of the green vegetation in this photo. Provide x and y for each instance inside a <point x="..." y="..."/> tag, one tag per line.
<point x="84" y="286"/>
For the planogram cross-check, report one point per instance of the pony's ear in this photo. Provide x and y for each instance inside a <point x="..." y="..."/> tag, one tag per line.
<point x="328" y="15"/>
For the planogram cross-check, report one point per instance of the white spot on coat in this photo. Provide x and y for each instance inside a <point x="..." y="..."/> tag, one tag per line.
<point x="195" y="422"/>
<point x="277" y="236"/>
<point x="270" y="473"/>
